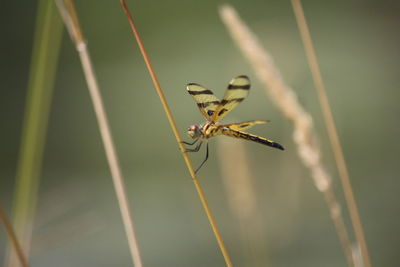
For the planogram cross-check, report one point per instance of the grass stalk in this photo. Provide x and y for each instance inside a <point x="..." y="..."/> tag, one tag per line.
<point x="241" y="194"/>
<point x="285" y="98"/>
<point x="46" y="45"/>
<point x="332" y="132"/>
<point x="70" y="17"/>
<point x="172" y="123"/>
<point x="13" y="238"/>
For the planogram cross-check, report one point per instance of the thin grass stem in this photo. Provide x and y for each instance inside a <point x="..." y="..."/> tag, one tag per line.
<point x="13" y="238"/>
<point x="332" y="132"/>
<point x="286" y="100"/>
<point x="71" y="21"/>
<point x="177" y="135"/>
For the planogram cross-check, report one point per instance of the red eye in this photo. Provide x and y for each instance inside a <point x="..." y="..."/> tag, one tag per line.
<point x="192" y="128"/>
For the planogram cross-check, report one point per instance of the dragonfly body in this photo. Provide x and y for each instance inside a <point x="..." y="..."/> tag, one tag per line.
<point x="214" y="110"/>
<point x="211" y="129"/>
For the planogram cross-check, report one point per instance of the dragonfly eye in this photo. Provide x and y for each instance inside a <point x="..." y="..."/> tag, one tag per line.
<point x="193" y="131"/>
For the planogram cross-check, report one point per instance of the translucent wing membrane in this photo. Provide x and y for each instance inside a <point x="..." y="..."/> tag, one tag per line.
<point x="243" y="125"/>
<point x="237" y="91"/>
<point x="206" y="101"/>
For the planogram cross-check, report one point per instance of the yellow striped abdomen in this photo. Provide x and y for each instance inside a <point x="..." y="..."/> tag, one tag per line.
<point x="251" y="137"/>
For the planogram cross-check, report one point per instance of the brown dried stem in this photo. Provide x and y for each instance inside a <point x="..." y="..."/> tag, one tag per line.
<point x="285" y="98"/>
<point x="72" y="23"/>
<point x="332" y="132"/>
<point x="13" y="238"/>
<point x="177" y="135"/>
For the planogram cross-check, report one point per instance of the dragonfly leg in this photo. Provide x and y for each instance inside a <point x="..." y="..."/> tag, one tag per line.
<point x="204" y="161"/>
<point x="196" y="149"/>
<point x="188" y="143"/>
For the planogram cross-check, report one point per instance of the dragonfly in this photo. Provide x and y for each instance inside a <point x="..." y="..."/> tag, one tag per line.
<point x="214" y="110"/>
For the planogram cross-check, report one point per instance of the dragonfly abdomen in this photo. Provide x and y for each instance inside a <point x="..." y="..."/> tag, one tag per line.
<point x="251" y="137"/>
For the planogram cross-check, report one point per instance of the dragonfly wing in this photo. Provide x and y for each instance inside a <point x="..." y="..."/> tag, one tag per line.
<point x="206" y="101"/>
<point x="243" y="125"/>
<point x="237" y="91"/>
<point x="251" y="137"/>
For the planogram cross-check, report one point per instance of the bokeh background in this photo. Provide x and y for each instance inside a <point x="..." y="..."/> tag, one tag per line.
<point x="78" y="221"/>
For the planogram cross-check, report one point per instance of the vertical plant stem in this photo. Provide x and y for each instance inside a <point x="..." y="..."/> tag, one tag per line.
<point x="241" y="194"/>
<point x="332" y="132"/>
<point x="177" y="136"/>
<point x="285" y="98"/>
<point x="72" y="22"/>
<point x="46" y="45"/>
<point x="12" y="237"/>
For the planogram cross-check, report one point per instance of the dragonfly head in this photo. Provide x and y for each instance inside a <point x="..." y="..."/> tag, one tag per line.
<point x="194" y="131"/>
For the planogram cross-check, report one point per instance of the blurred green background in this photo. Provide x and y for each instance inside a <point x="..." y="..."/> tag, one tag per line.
<point x="78" y="222"/>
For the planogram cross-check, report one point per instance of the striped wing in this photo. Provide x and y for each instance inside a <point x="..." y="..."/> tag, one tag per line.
<point x="243" y="125"/>
<point x="206" y="101"/>
<point x="251" y="137"/>
<point x="237" y="91"/>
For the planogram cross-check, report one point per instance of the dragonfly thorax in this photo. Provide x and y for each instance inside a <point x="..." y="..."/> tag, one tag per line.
<point x="194" y="131"/>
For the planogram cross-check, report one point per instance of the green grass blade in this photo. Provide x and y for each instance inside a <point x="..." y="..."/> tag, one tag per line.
<point x="46" y="46"/>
